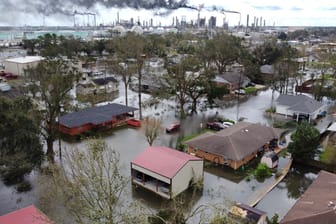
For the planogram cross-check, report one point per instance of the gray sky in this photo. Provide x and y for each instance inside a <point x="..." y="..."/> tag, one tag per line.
<point x="58" y="12"/>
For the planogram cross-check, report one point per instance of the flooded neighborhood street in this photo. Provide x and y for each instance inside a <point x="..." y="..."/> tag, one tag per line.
<point x="221" y="185"/>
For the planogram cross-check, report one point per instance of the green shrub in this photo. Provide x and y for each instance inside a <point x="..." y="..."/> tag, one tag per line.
<point x="250" y="90"/>
<point x="270" y="110"/>
<point x="262" y="171"/>
<point x="24" y="186"/>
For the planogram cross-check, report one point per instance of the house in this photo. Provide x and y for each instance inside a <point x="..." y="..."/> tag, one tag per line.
<point x="95" y="118"/>
<point x="165" y="171"/>
<point x="296" y="105"/>
<point x="246" y="214"/>
<point x="18" y="65"/>
<point x="236" y="145"/>
<point x="97" y="85"/>
<point x="232" y="80"/>
<point x="267" y="72"/>
<point x="271" y="159"/>
<point x="317" y="204"/>
<point x="27" y="215"/>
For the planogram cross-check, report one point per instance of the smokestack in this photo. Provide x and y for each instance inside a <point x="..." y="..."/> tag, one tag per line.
<point x="247" y="21"/>
<point x="256" y="22"/>
<point x="260" y="21"/>
<point x="118" y="17"/>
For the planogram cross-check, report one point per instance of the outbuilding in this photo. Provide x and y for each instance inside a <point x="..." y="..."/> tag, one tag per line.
<point x="27" y="215"/>
<point x="18" y="65"/>
<point x="165" y="171"/>
<point x="271" y="159"/>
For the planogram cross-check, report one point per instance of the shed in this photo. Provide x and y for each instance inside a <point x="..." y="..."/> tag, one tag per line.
<point x="271" y="159"/>
<point x="165" y="171"/>
<point x="18" y="65"/>
<point x="27" y="215"/>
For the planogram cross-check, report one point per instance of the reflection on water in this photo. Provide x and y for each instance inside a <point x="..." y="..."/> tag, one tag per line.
<point x="288" y="191"/>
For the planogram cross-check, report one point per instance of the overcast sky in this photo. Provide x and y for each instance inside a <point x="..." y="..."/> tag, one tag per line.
<point x="58" y="12"/>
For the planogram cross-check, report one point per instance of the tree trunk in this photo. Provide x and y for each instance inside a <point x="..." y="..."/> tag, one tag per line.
<point x="194" y="107"/>
<point x="50" y="149"/>
<point x="126" y="96"/>
<point x="182" y="114"/>
<point x="139" y="92"/>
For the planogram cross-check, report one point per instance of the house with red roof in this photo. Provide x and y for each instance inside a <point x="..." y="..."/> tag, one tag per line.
<point x="27" y="215"/>
<point x="165" y="171"/>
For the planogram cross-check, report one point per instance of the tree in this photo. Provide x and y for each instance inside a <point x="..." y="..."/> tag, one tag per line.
<point x="178" y="82"/>
<point x="53" y="78"/>
<point x="126" y="70"/>
<point x="31" y="45"/>
<point x="286" y="67"/>
<point x="90" y="186"/>
<point x="20" y="146"/>
<point x="305" y="141"/>
<point x="132" y="46"/>
<point x="224" y="50"/>
<point x="152" y="128"/>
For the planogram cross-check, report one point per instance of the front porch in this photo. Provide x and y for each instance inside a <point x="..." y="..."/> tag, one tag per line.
<point x="150" y="183"/>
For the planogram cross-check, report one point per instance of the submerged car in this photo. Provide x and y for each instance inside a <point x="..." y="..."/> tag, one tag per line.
<point x="215" y="125"/>
<point x="173" y="128"/>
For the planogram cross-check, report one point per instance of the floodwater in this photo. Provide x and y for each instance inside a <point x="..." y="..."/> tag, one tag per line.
<point x="221" y="185"/>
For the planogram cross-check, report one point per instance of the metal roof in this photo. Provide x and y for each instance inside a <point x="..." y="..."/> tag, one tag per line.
<point x="163" y="160"/>
<point x="27" y="215"/>
<point x="299" y="103"/>
<point x="94" y="115"/>
<point x="24" y="60"/>
<point x="237" y="141"/>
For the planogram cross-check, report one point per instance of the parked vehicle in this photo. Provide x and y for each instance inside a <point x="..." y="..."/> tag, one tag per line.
<point x="4" y="87"/>
<point x="173" y="128"/>
<point x="10" y="76"/>
<point x="227" y="124"/>
<point x="134" y="122"/>
<point x="240" y="92"/>
<point x="215" y="125"/>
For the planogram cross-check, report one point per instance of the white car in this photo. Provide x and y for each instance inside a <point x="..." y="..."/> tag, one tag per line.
<point x="227" y="124"/>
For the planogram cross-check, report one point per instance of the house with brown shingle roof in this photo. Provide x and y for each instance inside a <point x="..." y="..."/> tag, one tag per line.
<point x="317" y="204"/>
<point x="235" y="145"/>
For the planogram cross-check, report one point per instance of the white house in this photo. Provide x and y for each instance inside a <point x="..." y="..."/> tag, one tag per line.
<point x="165" y="171"/>
<point x="291" y="105"/>
<point x="18" y="65"/>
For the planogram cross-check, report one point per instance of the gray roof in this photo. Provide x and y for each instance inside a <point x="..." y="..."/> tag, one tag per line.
<point x="237" y="141"/>
<point x="94" y="115"/>
<point x="104" y="81"/>
<point x="299" y="103"/>
<point x="317" y="204"/>
<point x="267" y="69"/>
<point x="231" y="77"/>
